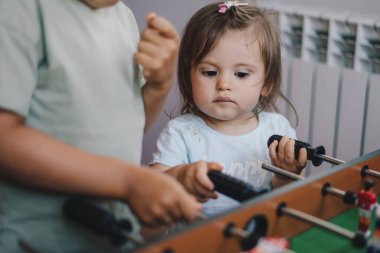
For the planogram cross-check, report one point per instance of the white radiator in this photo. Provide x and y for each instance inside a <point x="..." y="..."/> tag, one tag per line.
<point x="331" y="73"/>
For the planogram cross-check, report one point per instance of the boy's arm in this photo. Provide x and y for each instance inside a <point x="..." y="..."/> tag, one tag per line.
<point x="31" y="157"/>
<point x="37" y="160"/>
<point x="157" y="51"/>
<point x="154" y="97"/>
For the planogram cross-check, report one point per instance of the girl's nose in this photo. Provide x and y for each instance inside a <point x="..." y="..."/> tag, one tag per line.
<point x="223" y="83"/>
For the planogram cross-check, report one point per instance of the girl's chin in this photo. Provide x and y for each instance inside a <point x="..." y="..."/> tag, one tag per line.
<point x="220" y="117"/>
<point x="229" y="117"/>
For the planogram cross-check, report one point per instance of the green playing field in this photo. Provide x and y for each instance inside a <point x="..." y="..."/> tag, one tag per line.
<point x="323" y="241"/>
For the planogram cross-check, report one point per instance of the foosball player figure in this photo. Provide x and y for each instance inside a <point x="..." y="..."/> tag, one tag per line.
<point x="366" y="202"/>
<point x="272" y="245"/>
<point x="373" y="245"/>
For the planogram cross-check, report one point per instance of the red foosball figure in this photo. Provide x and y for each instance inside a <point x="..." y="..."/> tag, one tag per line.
<point x="272" y="245"/>
<point x="366" y="202"/>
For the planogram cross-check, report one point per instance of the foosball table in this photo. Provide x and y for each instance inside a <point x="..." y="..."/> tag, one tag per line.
<point x="317" y="214"/>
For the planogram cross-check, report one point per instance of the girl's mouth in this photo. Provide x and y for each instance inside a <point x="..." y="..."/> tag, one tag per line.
<point x="223" y="100"/>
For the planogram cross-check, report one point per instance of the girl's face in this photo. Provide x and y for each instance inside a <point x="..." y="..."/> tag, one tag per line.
<point x="228" y="82"/>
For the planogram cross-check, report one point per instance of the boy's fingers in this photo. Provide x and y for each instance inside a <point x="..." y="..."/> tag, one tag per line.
<point x="190" y="210"/>
<point x="150" y="16"/>
<point x="148" y="48"/>
<point x="162" y="25"/>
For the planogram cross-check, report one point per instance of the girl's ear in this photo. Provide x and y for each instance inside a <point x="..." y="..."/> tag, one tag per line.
<point x="266" y="90"/>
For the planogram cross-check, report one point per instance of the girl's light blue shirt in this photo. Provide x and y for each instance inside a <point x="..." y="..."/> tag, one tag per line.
<point x="188" y="139"/>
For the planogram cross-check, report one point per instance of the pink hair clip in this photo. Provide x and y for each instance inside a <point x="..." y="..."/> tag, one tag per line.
<point x="226" y="5"/>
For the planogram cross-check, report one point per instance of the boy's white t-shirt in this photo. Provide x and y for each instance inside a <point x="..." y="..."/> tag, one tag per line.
<point x="69" y="70"/>
<point x="188" y="139"/>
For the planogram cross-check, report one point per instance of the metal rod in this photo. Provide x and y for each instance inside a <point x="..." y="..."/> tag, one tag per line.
<point x="233" y="230"/>
<point x="373" y="173"/>
<point x="318" y="222"/>
<point x="347" y="196"/>
<point x="239" y="232"/>
<point x="330" y="159"/>
<point x="283" y="172"/>
<point x="336" y="192"/>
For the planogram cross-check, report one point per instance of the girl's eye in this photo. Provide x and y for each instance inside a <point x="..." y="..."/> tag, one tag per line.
<point x="241" y="74"/>
<point x="209" y="73"/>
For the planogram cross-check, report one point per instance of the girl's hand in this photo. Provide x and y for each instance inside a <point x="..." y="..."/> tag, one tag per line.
<point x="194" y="178"/>
<point x="282" y="155"/>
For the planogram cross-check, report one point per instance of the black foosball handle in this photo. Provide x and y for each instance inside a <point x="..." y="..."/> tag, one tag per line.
<point x="97" y="220"/>
<point x="312" y="153"/>
<point x="232" y="187"/>
<point x="255" y="229"/>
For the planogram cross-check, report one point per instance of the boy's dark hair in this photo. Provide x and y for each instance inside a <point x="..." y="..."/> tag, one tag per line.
<point x="207" y="26"/>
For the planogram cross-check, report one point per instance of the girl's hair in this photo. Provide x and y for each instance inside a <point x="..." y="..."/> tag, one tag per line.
<point x="203" y="31"/>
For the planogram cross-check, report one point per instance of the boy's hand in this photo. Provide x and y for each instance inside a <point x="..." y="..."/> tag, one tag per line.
<point x="284" y="157"/>
<point x="158" y="199"/>
<point x="157" y="49"/>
